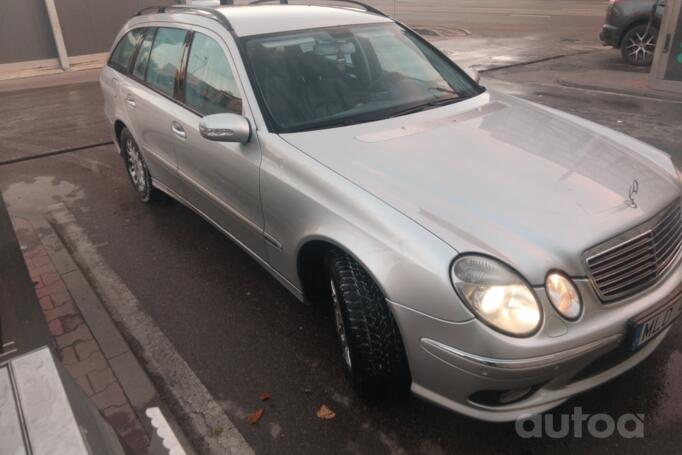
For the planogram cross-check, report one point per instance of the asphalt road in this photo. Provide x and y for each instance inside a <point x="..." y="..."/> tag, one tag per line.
<point x="243" y="334"/>
<point x="561" y="19"/>
<point x="565" y="19"/>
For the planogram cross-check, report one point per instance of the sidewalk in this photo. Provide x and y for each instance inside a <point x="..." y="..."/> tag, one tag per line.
<point x="623" y="82"/>
<point x="82" y="334"/>
<point x="22" y="325"/>
<point x="49" y="80"/>
<point x="97" y="365"/>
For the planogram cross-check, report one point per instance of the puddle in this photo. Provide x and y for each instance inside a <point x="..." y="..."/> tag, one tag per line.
<point x="38" y="193"/>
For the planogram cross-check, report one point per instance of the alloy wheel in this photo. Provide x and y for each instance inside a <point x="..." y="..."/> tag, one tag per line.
<point x="135" y="166"/>
<point x="640" y="47"/>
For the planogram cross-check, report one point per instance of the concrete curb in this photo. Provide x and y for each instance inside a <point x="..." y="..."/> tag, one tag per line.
<point x="203" y="420"/>
<point x="671" y="98"/>
<point x="134" y="381"/>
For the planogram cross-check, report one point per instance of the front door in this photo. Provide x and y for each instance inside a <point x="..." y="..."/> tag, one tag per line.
<point x="220" y="179"/>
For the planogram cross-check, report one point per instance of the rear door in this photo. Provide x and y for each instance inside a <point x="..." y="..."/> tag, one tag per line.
<point x="149" y="97"/>
<point x="221" y="179"/>
<point x="111" y="75"/>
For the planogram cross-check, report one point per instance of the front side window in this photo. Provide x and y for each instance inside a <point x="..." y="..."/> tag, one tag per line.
<point x="210" y="86"/>
<point x="337" y="76"/>
<point x="140" y="65"/>
<point x="165" y="58"/>
<point x="120" y="57"/>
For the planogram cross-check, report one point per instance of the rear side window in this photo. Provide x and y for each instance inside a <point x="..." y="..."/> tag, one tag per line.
<point x="164" y="61"/>
<point x="143" y="54"/>
<point x="120" y="58"/>
<point x="210" y="86"/>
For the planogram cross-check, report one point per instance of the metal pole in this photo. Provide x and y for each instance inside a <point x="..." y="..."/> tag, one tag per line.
<point x="666" y="69"/>
<point x="57" y="33"/>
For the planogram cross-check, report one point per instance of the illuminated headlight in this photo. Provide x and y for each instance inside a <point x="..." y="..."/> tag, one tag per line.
<point x="496" y="294"/>
<point x="563" y="295"/>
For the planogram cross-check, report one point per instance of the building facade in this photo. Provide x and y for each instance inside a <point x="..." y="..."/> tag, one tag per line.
<point x="33" y="31"/>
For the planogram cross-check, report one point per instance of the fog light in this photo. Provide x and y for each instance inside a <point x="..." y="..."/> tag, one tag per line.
<point x="563" y="295"/>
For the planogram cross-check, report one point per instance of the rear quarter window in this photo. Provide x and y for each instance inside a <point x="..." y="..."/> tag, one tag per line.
<point x="140" y="65"/>
<point x="120" y="57"/>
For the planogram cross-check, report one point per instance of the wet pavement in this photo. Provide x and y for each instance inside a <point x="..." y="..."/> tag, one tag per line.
<point x="50" y="118"/>
<point x="243" y="334"/>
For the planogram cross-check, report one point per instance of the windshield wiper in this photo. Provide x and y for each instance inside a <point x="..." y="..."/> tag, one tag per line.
<point x="424" y="106"/>
<point x="443" y="90"/>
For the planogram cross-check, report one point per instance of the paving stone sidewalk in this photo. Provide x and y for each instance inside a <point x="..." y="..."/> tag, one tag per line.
<point x="80" y="352"/>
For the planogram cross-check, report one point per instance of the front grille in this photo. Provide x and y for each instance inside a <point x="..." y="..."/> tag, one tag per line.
<point x="636" y="259"/>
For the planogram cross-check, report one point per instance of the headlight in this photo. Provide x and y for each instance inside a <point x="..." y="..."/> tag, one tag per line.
<point x="563" y="295"/>
<point x="498" y="295"/>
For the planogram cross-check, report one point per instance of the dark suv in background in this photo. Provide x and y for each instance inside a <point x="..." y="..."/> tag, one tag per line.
<point x="632" y="26"/>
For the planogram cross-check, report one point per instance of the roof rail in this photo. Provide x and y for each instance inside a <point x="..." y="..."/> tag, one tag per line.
<point x="368" y="8"/>
<point x="209" y="13"/>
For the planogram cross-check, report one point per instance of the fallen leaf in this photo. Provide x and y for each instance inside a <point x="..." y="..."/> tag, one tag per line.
<point x="264" y="396"/>
<point x="255" y="416"/>
<point x="325" y="413"/>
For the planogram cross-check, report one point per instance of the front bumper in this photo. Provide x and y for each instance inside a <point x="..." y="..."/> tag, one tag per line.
<point x="471" y="369"/>
<point x="540" y="390"/>
<point x="609" y="35"/>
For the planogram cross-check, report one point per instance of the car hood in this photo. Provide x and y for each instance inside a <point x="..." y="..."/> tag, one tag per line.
<point x="498" y="175"/>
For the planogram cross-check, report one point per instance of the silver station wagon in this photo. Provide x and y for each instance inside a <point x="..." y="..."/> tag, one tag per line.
<point x="491" y="255"/>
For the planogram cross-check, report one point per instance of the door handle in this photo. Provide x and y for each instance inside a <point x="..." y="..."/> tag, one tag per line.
<point x="178" y="130"/>
<point x="131" y="101"/>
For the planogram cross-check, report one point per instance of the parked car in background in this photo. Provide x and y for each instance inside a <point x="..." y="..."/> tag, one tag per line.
<point x="494" y="255"/>
<point x="632" y="26"/>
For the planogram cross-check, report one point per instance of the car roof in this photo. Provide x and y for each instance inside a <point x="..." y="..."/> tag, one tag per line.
<point x="262" y="19"/>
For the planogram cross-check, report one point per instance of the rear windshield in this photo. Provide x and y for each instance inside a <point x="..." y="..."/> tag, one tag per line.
<point x="331" y="77"/>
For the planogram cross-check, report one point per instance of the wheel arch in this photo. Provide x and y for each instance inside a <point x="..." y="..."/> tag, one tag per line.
<point x="312" y="270"/>
<point x="118" y="128"/>
<point x="635" y="22"/>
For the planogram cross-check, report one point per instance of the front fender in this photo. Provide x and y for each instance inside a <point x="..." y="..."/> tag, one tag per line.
<point x="304" y="201"/>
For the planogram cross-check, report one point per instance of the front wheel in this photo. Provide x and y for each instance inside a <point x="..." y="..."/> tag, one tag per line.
<point x="371" y="346"/>
<point x="638" y="45"/>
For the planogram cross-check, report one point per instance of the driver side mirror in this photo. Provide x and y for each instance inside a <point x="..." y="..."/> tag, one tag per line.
<point x="473" y="73"/>
<point x="225" y="128"/>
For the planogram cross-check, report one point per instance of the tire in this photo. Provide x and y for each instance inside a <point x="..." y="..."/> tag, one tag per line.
<point x="371" y="346"/>
<point x="137" y="169"/>
<point x="638" y="44"/>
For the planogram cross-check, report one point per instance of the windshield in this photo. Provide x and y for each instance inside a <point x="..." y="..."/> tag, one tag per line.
<point x="330" y="77"/>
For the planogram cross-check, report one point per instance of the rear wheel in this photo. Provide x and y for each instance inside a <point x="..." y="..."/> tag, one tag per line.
<point x="637" y="47"/>
<point x="371" y="346"/>
<point x="137" y="168"/>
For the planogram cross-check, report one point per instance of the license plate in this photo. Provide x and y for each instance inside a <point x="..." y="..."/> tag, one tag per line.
<point x="646" y="326"/>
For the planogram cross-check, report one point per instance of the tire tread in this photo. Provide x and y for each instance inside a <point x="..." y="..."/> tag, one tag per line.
<point x="378" y="354"/>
